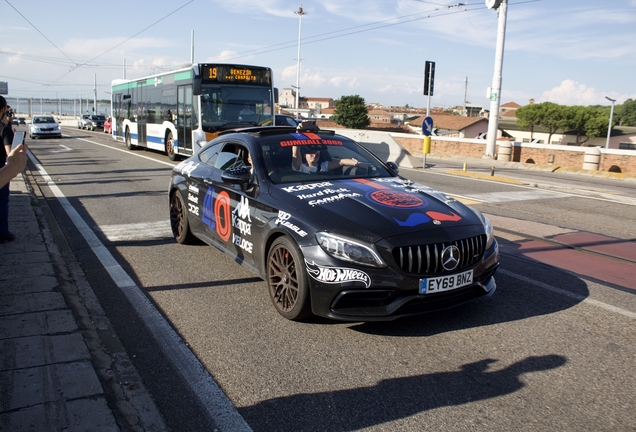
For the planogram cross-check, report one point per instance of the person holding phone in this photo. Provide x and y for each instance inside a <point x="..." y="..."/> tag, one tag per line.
<point x="16" y="163"/>
<point x="6" y="133"/>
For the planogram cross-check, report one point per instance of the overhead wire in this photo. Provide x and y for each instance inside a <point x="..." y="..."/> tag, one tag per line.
<point x="390" y="22"/>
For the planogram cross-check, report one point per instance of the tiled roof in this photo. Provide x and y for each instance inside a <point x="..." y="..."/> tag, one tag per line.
<point x="511" y="105"/>
<point x="323" y="99"/>
<point x="450" y="122"/>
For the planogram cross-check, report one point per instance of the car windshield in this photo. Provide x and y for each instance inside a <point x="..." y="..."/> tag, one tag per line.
<point x="277" y="155"/>
<point x="230" y="107"/>
<point x="98" y="117"/>
<point x="43" y="120"/>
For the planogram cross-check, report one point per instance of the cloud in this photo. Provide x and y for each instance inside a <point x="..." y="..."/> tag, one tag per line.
<point x="571" y="92"/>
<point x="259" y="9"/>
<point x="224" y="56"/>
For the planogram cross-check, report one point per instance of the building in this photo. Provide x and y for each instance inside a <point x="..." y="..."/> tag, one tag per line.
<point x="308" y="107"/>
<point x="454" y="126"/>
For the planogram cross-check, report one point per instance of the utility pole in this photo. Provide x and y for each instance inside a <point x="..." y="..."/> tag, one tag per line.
<point x="95" y="94"/>
<point x="300" y="14"/>
<point x="465" y="92"/>
<point x="495" y="92"/>
<point x="192" y="48"/>
<point x="609" y="128"/>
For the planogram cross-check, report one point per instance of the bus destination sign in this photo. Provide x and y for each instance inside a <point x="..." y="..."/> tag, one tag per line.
<point x="243" y="74"/>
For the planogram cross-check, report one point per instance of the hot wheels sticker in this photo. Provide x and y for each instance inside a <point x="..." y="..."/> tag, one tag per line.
<point x="336" y="275"/>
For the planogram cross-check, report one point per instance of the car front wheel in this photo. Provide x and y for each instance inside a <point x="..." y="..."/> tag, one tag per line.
<point x="287" y="280"/>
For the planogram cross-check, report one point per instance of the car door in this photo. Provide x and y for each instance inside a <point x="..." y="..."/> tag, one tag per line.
<point x="225" y="210"/>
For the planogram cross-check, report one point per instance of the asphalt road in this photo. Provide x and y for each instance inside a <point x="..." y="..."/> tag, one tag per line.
<point x="553" y="349"/>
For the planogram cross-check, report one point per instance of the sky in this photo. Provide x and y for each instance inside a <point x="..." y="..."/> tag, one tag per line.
<point x="571" y="52"/>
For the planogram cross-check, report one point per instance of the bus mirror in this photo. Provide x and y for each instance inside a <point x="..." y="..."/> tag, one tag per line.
<point x="196" y="81"/>
<point x="275" y="95"/>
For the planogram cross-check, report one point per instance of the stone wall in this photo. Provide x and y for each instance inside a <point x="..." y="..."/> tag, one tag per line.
<point x="611" y="160"/>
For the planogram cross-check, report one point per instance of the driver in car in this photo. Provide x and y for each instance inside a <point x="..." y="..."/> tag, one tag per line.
<point x="307" y="160"/>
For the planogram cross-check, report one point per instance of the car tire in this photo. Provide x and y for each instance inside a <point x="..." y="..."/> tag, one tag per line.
<point x="287" y="280"/>
<point x="179" y="220"/>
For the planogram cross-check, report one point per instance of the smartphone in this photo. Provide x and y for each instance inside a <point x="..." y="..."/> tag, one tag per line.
<point x="18" y="138"/>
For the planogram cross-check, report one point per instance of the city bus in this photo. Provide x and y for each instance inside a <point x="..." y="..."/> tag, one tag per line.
<point x="177" y="112"/>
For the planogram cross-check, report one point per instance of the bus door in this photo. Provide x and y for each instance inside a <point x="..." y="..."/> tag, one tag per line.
<point x="184" y="117"/>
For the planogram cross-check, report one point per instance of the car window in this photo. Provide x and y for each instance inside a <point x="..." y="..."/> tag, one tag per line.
<point x="208" y="155"/>
<point x="43" y="120"/>
<point x="232" y="156"/>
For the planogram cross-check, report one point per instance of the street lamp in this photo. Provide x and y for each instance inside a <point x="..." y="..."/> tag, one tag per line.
<point x="300" y="14"/>
<point x="609" y="128"/>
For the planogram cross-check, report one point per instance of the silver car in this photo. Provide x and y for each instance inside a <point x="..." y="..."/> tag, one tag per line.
<point x="44" y="126"/>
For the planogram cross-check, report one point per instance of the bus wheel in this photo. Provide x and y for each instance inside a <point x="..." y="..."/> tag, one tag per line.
<point x="129" y="144"/>
<point x="170" y="147"/>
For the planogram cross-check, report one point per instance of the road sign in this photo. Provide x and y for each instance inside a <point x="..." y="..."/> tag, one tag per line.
<point x="427" y="126"/>
<point x="429" y="78"/>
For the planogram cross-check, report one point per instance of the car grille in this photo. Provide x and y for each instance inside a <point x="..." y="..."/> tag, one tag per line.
<point x="46" y="129"/>
<point x="426" y="259"/>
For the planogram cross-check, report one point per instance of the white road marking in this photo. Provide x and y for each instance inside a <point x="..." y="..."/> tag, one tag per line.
<point x="64" y="149"/>
<point x="580" y="298"/>
<point x="219" y="407"/>
<point x="137" y="231"/>
<point x="527" y="195"/>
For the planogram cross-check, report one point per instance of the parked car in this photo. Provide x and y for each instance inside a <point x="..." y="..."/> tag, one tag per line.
<point x="108" y="125"/>
<point x="352" y="241"/>
<point x="92" y="122"/>
<point x="81" y="122"/>
<point x="284" y="120"/>
<point x="21" y="121"/>
<point x="44" y="126"/>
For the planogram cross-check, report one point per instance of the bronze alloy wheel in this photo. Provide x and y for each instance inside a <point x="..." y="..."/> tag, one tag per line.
<point x="287" y="280"/>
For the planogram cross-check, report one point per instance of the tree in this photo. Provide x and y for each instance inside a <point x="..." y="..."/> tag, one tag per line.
<point x="588" y="122"/>
<point x="625" y="114"/>
<point x="529" y="116"/>
<point x="351" y="112"/>
<point x="553" y="118"/>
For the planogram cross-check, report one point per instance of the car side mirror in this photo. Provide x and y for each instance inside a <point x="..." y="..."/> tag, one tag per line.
<point x="238" y="175"/>
<point x="393" y="166"/>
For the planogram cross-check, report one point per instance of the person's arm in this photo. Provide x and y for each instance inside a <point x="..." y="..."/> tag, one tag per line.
<point x="16" y="162"/>
<point x="297" y="158"/>
<point x="346" y="162"/>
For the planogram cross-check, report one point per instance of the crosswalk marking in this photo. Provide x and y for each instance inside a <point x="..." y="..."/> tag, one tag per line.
<point x="137" y="231"/>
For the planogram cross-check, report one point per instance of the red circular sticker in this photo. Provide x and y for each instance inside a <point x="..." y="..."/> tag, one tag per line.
<point x="391" y="198"/>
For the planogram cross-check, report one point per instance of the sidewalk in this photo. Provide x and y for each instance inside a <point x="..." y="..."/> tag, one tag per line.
<point x="61" y="365"/>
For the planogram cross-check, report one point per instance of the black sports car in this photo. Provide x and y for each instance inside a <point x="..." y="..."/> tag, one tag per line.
<point x="333" y="230"/>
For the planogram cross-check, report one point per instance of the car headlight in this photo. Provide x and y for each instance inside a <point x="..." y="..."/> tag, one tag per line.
<point x="489" y="232"/>
<point x="347" y="249"/>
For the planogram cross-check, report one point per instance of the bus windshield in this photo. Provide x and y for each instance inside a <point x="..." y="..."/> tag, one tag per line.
<point x="229" y="106"/>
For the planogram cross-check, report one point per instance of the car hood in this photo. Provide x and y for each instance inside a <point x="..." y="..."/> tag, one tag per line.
<point x="375" y="208"/>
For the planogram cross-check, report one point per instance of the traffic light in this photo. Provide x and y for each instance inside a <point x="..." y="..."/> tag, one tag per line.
<point x="429" y="78"/>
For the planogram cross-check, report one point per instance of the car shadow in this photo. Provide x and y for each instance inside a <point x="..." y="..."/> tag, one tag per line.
<point x="516" y="298"/>
<point x="394" y="398"/>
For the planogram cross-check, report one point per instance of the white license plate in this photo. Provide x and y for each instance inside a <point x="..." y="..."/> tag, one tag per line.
<point x="446" y="283"/>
